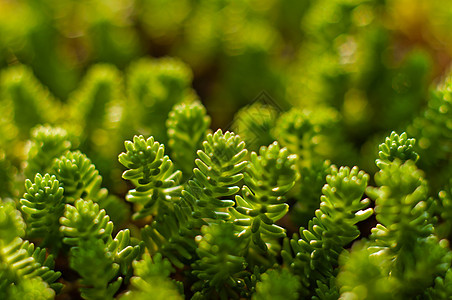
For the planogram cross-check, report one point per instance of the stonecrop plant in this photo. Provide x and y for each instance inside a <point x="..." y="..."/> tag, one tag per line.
<point x="125" y="191"/>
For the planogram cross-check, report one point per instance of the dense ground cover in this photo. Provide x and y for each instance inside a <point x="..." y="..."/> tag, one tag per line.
<point x="329" y="178"/>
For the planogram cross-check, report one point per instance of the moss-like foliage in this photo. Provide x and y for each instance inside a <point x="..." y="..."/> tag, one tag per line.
<point x="172" y="234"/>
<point x="79" y="177"/>
<point x="310" y="134"/>
<point x="85" y="220"/>
<point x="402" y="206"/>
<point x="211" y="218"/>
<point x="314" y="254"/>
<point x="396" y="251"/>
<point x="47" y="143"/>
<point x="97" y="269"/>
<point x="277" y="284"/>
<point x="43" y="205"/>
<point x="269" y="176"/>
<point x="442" y="288"/>
<point x="220" y="262"/>
<point x="24" y="269"/>
<point x="30" y="289"/>
<point x="364" y="274"/>
<point x="395" y="255"/>
<point x="207" y="213"/>
<point x="152" y="278"/>
<point x="396" y="147"/>
<point x="223" y="228"/>
<point x="151" y="172"/>
<point x="187" y="128"/>
<point x="219" y="170"/>
<point x="102" y="262"/>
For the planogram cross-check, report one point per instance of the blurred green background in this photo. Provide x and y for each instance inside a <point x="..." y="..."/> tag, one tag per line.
<point x="354" y="55"/>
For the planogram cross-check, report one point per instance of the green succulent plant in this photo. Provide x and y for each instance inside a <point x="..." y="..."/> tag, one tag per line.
<point x="270" y="210"/>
